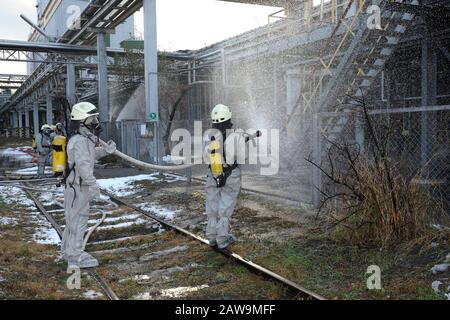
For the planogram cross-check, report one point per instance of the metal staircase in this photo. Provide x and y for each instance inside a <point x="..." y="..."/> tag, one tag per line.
<point x="353" y="72"/>
<point x="362" y="64"/>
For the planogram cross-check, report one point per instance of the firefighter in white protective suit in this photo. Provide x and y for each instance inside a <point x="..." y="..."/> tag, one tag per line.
<point x="44" y="149"/>
<point x="223" y="183"/>
<point x="81" y="186"/>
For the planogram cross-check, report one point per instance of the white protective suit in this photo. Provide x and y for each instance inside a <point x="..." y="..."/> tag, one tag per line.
<point x="44" y="150"/>
<point x="81" y="188"/>
<point x="220" y="202"/>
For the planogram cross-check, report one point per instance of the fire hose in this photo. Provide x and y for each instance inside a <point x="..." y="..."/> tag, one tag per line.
<point x="150" y="166"/>
<point x="145" y="165"/>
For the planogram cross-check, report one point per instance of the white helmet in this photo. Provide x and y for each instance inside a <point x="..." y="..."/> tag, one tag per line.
<point x="46" y="126"/>
<point x="83" y="110"/>
<point x="220" y="113"/>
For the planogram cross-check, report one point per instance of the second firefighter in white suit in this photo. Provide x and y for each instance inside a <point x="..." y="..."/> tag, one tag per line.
<point x="81" y="185"/>
<point x="222" y="192"/>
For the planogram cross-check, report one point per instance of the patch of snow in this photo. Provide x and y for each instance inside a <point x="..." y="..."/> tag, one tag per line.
<point x="91" y="294"/>
<point x="46" y="235"/>
<point x="447" y="258"/>
<point x="173" y="159"/>
<point x="447" y="295"/>
<point x="141" y="277"/>
<point x="434" y="244"/>
<point x="175" y="177"/>
<point x="439" y="227"/>
<point x="122" y="225"/>
<point x="2" y="279"/>
<point x="440" y="268"/>
<point x="103" y="197"/>
<point x="170" y="293"/>
<point x="32" y="171"/>
<point x="111" y="240"/>
<point x="132" y="216"/>
<point x="155" y="255"/>
<point x="161" y="212"/>
<point x="50" y="196"/>
<point x="8" y="221"/>
<point x="12" y="196"/>
<point x="158" y="274"/>
<point x="55" y="211"/>
<point x="180" y="291"/>
<point x="435" y="286"/>
<point x="123" y="187"/>
<point x="16" y="154"/>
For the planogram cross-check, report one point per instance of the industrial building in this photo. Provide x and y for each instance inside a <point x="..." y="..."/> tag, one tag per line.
<point x="300" y="69"/>
<point x="351" y="98"/>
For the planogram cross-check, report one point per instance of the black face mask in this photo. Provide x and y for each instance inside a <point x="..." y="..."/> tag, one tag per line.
<point x="223" y="126"/>
<point x="94" y="127"/>
<point x="97" y="129"/>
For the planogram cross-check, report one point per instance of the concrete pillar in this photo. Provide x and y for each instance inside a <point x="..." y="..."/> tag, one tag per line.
<point x="10" y="130"/>
<point x="317" y="158"/>
<point x="27" y="123"/>
<point x="49" y="104"/>
<point x="429" y="92"/>
<point x="15" y="120"/>
<point x="70" y="85"/>
<point x="36" y="117"/>
<point x="293" y="89"/>
<point x="19" y="115"/>
<point x="151" y="70"/>
<point x="103" y="103"/>
<point x="359" y="132"/>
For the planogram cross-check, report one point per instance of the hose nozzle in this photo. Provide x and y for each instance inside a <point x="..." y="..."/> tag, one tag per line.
<point x="253" y="136"/>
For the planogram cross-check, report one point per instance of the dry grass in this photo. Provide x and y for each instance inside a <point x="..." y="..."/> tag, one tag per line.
<point x="383" y="215"/>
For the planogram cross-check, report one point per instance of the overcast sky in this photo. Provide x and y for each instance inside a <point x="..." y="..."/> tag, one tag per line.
<point x="182" y="24"/>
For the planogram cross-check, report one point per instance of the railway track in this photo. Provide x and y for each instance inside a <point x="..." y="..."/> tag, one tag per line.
<point x="93" y="273"/>
<point x="130" y="242"/>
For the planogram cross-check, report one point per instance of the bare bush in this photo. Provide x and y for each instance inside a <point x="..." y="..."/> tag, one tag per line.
<point x="368" y="199"/>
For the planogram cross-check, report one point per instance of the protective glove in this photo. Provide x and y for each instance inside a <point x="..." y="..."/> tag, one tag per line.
<point x="111" y="148"/>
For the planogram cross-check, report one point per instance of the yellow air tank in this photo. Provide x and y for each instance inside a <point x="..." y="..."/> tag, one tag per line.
<point x="215" y="158"/>
<point x="59" y="155"/>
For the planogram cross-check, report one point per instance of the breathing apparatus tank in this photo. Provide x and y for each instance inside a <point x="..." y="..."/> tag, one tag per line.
<point x="33" y="141"/>
<point x="59" y="155"/>
<point x="215" y="158"/>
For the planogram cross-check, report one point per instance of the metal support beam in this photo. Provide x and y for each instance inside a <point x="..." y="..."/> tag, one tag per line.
<point x="444" y="52"/>
<point x="14" y="123"/>
<point x="19" y="115"/>
<point x="36" y="117"/>
<point x="103" y="103"/>
<point x="49" y="111"/>
<point x="359" y="133"/>
<point x="429" y="92"/>
<point x="151" y="68"/>
<point x="55" y="48"/>
<point x="27" y="123"/>
<point x="317" y="158"/>
<point x="70" y="85"/>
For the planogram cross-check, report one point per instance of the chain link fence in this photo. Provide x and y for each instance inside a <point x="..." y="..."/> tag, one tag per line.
<point x="416" y="143"/>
